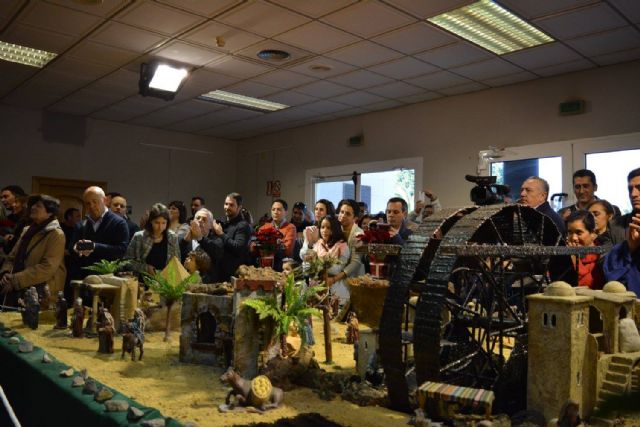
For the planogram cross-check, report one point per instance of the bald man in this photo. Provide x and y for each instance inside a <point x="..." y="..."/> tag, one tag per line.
<point x="534" y="193"/>
<point x="104" y="235"/>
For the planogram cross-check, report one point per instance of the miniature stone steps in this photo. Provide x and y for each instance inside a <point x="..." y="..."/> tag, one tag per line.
<point x="622" y="361"/>
<point x="614" y="387"/>
<point x="619" y="368"/>
<point x="616" y="377"/>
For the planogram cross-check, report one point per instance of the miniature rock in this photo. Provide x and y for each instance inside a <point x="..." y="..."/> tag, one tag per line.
<point x="14" y="340"/>
<point x="67" y="373"/>
<point x="9" y="333"/>
<point x="116" y="405"/>
<point x="84" y="374"/>
<point x="46" y="358"/>
<point x="78" y="381"/>
<point x="189" y="424"/>
<point x="90" y="387"/>
<point x="156" y="422"/>
<point x="103" y="395"/>
<point x="25" y="347"/>
<point x="134" y="414"/>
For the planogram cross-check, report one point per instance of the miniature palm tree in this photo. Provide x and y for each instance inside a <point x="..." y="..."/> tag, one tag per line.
<point x="294" y="310"/>
<point x="107" y="267"/>
<point x="170" y="284"/>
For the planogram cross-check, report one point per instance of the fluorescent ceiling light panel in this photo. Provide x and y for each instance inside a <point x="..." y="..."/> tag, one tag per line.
<point x="167" y="78"/>
<point x="489" y="25"/>
<point x="25" y="55"/>
<point x="236" y="100"/>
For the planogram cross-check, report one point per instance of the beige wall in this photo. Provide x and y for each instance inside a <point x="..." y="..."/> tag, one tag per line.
<point x="136" y="161"/>
<point x="447" y="133"/>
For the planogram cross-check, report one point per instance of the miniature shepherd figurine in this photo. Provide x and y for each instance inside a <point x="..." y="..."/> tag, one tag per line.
<point x="258" y="392"/>
<point x="77" y="319"/>
<point x="105" y="332"/>
<point x="61" y="312"/>
<point x="30" y="308"/>
<point x="45" y="301"/>
<point x="569" y="415"/>
<point x="133" y="335"/>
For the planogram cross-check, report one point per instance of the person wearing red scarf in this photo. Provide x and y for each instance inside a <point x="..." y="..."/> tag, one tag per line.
<point x="581" y="231"/>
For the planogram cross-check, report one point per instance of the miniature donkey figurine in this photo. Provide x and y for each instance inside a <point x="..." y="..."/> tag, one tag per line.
<point x="241" y="389"/>
<point x="130" y="341"/>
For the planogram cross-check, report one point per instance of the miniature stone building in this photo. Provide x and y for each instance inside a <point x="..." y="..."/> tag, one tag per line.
<point x="119" y="293"/>
<point x="205" y="325"/>
<point x="574" y="347"/>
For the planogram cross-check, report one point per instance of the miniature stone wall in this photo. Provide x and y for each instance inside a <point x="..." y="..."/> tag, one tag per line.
<point x="206" y="324"/>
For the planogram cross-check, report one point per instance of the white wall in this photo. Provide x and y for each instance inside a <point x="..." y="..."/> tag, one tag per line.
<point x="146" y="165"/>
<point x="447" y="132"/>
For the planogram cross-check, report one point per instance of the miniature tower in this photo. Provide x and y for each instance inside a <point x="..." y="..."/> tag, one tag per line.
<point x="558" y="338"/>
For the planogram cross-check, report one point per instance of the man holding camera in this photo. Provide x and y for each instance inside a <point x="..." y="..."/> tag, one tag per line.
<point x="103" y="235"/>
<point x="423" y="208"/>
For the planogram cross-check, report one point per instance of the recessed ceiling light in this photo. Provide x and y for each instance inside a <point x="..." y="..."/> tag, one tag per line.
<point x="489" y="25"/>
<point x="25" y="55"/>
<point x="236" y="100"/>
<point x="274" y="55"/>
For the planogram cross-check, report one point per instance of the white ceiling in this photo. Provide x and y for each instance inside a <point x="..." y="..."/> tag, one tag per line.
<point x="348" y="57"/>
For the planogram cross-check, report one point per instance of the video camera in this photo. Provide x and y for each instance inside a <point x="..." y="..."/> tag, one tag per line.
<point x="487" y="192"/>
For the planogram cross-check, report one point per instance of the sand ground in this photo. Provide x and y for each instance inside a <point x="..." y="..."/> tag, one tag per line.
<point x="193" y="392"/>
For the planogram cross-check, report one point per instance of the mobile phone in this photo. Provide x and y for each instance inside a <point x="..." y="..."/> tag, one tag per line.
<point x="86" y="245"/>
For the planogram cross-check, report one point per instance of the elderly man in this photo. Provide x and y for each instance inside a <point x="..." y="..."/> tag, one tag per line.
<point x="232" y="238"/>
<point x="623" y="262"/>
<point x="397" y="219"/>
<point x="534" y="193"/>
<point x="119" y="207"/>
<point x="103" y="235"/>
<point x="201" y="236"/>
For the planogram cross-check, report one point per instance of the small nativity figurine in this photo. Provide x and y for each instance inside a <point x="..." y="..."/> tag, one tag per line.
<point x="45" y="301"/>
<point x="353" y="333"/>
<point x="258" y="392"/>
<point x="106" y="328"/>
<point x="77" y="319"/>
<point x="30" y="308"/>
<point x="61" y="312"/>
<point x="133" y="335"/>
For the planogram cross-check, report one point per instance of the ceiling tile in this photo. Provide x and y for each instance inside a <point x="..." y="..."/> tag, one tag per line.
<point x="249" y="88"/>
<point x="126" y="37"/>
<point x="395" y="90"/>
<point x="314" y="9"/>
<point x="537" y="8"/>
<point x="415" y="38"/>
<point x="630" y="8"/>
<point x="465" y="88"/>
<point x="208" y="8"/>
<point x="13" y="74"/>
<point x="59" y="19"/>
<point x="360" y="79"/>
<point x="599" y="17"/>
<point x="175" y="113"/>
<point x="368" y="19"/>
<point x="38" y="38"/>
<point x="363" y="54"/>
<point x="325" y="106"/>
<point x="384" y="105"/>
<point x="291" y="98"/>
<point x="9" y="7"/>
<point x="102" y="54"/>
<point x="422" y="97"/>
<point x="202" y="81"/>
<point x="43" y="89"/>
<point x="439" y="80"/>
<point x="234" y="38"/>
<point x="323" y="89"/>
<point x="159" y="18"/>
<point x="403" y="68"/>
<point x="608" y="42"/>
<point x="427" y="9"/>
<point x="85" y="102"/>
<point x="312" y="68"/>
<point x="317" y="37"/>
<point x="263" y="18"/>
<point x="567" y="67"/>
<point x="542" y="56"/>
<point x="510" y="79"/>
<point x="236" y="67"/>
<point x="358" y="99"/>
<point x="83" y="72"/>
<point x="187" y="54"/>
<point x="251" y="52"/>
<point x="216" y="118"/>
<point x="104" y="8"/>
<point x="454" y="55"/>
<point x="31" y="98"/>
<point x="494" y="67"/>
<point x="617" y="57"/>
<point x="122" y="80"/>
<point x="283" y="79"/>
<point x="350" y="112"/>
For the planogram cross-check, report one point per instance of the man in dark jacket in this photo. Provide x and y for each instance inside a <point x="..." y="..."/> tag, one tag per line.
<point x="233" y="237"/>
<point x="103" y="235"/>
<point x="534" y="193"/>
<point x="397" y="218"/>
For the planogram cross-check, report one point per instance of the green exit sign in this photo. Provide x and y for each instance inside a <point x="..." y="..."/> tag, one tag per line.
<point x="572" y="107"/>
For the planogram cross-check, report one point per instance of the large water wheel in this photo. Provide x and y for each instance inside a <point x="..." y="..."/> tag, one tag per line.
<point x="471" y="269"/>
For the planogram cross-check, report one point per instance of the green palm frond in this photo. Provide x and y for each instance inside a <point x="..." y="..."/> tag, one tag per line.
<point x="107" y="267"/>
<point x="166" y="288"/>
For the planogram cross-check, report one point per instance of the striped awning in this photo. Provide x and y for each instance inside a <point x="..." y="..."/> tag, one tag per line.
<point x="467" y="396"/>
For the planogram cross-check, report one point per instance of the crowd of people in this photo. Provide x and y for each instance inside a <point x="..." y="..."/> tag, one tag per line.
<point x="39" y="250"/>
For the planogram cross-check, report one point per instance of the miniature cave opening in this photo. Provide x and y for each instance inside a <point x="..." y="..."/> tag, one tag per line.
<point x="206" y="328"/>
<point x="623" y="313"/>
